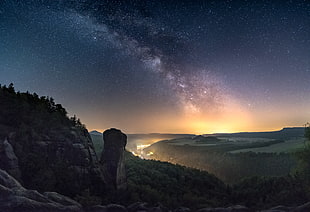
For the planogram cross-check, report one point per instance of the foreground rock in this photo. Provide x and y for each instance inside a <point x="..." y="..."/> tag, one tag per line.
<point x="14" y="197"/>
<point x="112" y="158"/>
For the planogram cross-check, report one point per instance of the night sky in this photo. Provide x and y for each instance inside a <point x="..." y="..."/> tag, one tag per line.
<point x="163" y="66"/>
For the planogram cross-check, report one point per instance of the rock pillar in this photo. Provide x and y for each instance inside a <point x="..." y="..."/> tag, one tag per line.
<point x="112" y="158"/>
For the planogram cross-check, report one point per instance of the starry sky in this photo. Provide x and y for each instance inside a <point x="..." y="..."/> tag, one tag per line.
<point x="162" y="65"/>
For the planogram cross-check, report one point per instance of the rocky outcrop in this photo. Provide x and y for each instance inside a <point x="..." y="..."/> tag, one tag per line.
<point x="9" y="161"/>
<point x="112" y="158"/>
<point x="63" y="161"/>
<point x="14" y="198"/>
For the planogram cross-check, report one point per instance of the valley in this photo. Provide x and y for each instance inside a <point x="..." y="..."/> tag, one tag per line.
<point x="231" y="157"/>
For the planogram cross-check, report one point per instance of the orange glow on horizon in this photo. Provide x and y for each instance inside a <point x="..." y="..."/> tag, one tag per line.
<point x="234" y="117"/>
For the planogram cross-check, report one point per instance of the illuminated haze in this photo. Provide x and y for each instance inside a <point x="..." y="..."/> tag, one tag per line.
<point x="163" y="66"/>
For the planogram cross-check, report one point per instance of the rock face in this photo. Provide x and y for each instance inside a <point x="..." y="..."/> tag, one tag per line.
<point x="14" y="198"/>
<point x="112" y="158"/>
<point x="49" y="150"/>
<point x="8" y="159"/>
<point x="63" y="161"/>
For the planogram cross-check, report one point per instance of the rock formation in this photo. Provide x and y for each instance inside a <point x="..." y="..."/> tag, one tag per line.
<point x="14" y="197"/>
<point x="112" y="158"/>
<point x="8" y="159"/>
<point x="62" y="161"/>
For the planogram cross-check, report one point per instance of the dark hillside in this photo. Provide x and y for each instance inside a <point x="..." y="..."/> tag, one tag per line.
<point x="54" y="152"/>
<point x="173" y="185"/>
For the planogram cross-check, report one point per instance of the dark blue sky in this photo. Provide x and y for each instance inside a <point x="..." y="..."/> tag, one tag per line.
<point x="163" y="66"/>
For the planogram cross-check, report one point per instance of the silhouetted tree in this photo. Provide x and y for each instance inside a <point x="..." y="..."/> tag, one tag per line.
<point x="307" y="131"/>
<point x="11" y="88"/>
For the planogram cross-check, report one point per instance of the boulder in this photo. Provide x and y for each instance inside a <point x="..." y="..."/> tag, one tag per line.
<point x="112" y="158"/>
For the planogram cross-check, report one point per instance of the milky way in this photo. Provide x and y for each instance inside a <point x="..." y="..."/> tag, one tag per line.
<point x="169" y="66"/>
<point x="195" y="90"/>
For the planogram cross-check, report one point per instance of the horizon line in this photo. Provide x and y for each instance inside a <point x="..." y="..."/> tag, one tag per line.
<point x="271" y="130"/>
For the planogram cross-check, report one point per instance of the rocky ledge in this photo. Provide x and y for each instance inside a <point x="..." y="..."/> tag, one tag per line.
<point x="15" y="198"/>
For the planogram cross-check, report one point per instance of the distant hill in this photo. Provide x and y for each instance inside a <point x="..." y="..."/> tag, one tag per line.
<point x="206" y="139"/>
<point x="285" y="133"/>
<point x="232" y="156"/>
<point x="95" y="132"/>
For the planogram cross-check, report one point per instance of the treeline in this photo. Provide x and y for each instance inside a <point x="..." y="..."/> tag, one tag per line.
<point x="21" y="110"/>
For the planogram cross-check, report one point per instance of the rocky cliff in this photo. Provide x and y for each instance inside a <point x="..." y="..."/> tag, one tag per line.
<point x="45" y="149"/>
<point x="60" y="162"/>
